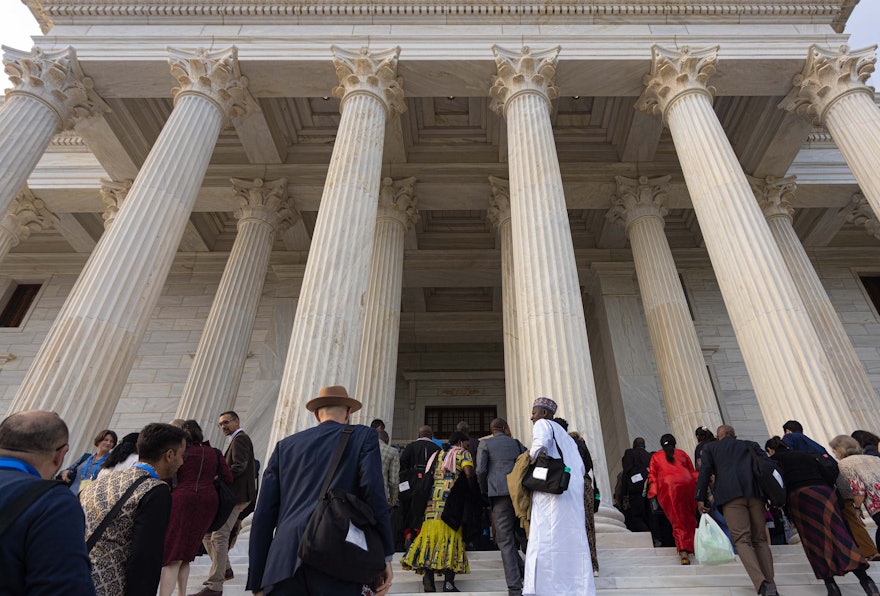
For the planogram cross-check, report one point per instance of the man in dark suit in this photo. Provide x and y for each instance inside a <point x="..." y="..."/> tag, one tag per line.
<point x="413" y="460"/>
<point x="43" y="551"/>
<point x="240" y="457"/>
<point x="738" y="498"/>
<point x="290" y="492"/>
<point x="495" y="458"/>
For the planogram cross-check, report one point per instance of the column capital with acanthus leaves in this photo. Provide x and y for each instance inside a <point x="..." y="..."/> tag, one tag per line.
<point x="398" y="202"/>
<point x="637" y="198"/>
<point x="774" y="195"/>
<point x="675" y="73"/>
<point x="371" y="73"/>
<point x="56" y="79"/>
<point x="525" y="71"/>
<point x="499" y="202"/>
<point x="214" y="76"/>
<point x="266" y="201"/>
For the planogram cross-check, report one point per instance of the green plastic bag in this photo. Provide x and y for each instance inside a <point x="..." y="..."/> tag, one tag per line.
<point x="711" y="545"/>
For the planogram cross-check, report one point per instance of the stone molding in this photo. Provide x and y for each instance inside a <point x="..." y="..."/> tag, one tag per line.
<point x="213" y="75"/>
<point x="675" y="73"/>
<point x="859" y="212"/>
<point x="26" y="215"/>
<point x="499" y="202"/>
<point x="265" y="201"/>
<point x="113" y="193"/>
<point x="827" y="76"/>
<point x="637" y="198"/>
<point x="774" y="195"/>
<point x="55" y="79"/>
<point x="521" y="72"/>
<point x="830" y="11"/>
<point x="371" y="73"/>
<point x="398" y="202"/>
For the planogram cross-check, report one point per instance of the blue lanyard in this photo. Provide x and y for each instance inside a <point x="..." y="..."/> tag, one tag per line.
<point x="148" y="468"/>
<point x="17" y="464"/>
<point x="90" y="472"/>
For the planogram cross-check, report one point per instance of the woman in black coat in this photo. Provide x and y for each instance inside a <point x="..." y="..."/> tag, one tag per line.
<point x="815" y="511"/>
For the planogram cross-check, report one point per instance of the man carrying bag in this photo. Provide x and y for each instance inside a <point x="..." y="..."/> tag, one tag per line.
<point x="294" y="484"/>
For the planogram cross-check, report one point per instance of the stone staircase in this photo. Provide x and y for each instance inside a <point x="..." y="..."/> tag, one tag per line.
<point x="629" y="566"/>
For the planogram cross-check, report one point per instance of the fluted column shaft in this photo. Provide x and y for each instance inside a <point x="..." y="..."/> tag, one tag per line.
<point x="49" y="94"/>
<point x="377" y="367"/>
<point x="791" y="374"/>
<point x="325" y="341"/>
<point x="518" y="403"/>
<point x="687" y="391"/>
<point x="854" y="124"/>
<point x="219" y="360"/>
<point x="860" y="395"/>
<point x="550" y="313"/>
<point x="86" y="357"/>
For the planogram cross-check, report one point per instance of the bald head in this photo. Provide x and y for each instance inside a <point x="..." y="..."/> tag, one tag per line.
<point x="425" y="432"/>
<point x="38" y="437"/>
<point x="725" y="431"/>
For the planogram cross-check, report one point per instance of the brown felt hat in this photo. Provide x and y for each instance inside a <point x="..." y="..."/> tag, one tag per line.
<point x="335" y="395"/>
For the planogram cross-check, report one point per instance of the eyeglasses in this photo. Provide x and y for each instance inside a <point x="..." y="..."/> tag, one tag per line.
<point x="223" y="423"/>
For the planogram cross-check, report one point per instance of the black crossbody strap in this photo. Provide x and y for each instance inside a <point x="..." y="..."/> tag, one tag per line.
<point x="337" y="457"/>
<point x="553" y="434"/>
<point x="99" y="531"/>
<point x="24" y="500"/>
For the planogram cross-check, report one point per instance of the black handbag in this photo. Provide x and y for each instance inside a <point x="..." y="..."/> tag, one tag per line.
<point x="342" y="538"/>
<point x="225" y="498"/>
<point x="547" y="474"/>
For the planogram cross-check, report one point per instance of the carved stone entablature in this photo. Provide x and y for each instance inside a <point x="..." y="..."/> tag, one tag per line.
<point x="859" y="212"/>
<point x="113" y="193"/>
<point x="675" y="73"/>
<point x="375" y="73"/>
<point x="265" y="200"/>
<point x="397" y="201"/>
<point x="827" y="76"/>
<point x="212" y="75"/>
<point x="774" y="195"/>
<point x="637" y="198"/>
<point x="524" y="71"/>
<point x="235" y="11"/>
<point x="56" y="79"/>
<point x="499" y="201"/>
<point x="26" y="215"/>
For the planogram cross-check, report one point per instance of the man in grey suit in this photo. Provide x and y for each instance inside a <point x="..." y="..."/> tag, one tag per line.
<point x="495" y="458"/>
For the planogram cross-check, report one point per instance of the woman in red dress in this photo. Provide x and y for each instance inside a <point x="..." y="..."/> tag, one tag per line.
<point x="673" y="480"/>
<point x="193" y="507"/>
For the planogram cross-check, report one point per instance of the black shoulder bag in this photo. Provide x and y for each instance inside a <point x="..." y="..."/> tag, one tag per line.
<point x="225" y="497"/>
<point x="547" y="474"/>
<point x="342" y="538"/>
<point x="768" y="480"/>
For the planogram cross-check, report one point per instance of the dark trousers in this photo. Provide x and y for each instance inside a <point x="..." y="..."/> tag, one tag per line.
<point x="748" y="526"/>
<point x="308" y="581"/>
<point x="637" y="515"/>
<point x="505" y="521"/>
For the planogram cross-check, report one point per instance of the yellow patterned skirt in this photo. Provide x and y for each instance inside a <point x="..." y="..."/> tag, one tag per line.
<point x="437" y="548"/>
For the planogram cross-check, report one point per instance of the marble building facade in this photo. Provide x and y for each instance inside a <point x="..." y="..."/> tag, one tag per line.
<point x="661" y="215"/>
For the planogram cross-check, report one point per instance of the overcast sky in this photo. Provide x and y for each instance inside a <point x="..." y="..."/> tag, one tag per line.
<point x="17" y="25"/>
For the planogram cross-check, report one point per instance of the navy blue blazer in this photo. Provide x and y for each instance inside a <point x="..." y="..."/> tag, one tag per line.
<point x="290" y="492"/>
<point x="731" y="462"/>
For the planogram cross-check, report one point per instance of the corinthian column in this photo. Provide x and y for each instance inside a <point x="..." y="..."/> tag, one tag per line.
<point x="859" y="213"/>
<point x="687" y="390"/>
<point x="518" y="405"/>
<point x="325" y="342"/>
<point x="774" y="197"/>
<point x="28" y="214"/>
<point x="831" y="92"/>
<point x="49" y="94"/>
<point x="85" y="359"/>
<point x="219" y="360"/>
<point x="377" y="369"/>
<point x="790" y="371"/>
<point x="550" y="313"/>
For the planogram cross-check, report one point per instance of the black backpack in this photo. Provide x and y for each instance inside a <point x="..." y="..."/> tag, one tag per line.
<point x="768" y="479"/>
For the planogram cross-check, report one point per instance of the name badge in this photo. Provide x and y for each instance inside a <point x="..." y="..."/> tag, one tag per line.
<point x="356" y="537"/>
<point x="403" y="486"/>
<point x="636" y="478"/>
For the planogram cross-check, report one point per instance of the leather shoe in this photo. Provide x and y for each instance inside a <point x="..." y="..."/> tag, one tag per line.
<point x="207" y="592"/>
<point x="767" y="589"/>
<point x="229" y="574"/>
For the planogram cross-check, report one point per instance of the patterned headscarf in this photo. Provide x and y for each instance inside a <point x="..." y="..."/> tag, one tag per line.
<point x="546" y="403"/>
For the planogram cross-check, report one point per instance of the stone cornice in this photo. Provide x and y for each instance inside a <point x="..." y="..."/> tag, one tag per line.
<point x="833" y="12"/>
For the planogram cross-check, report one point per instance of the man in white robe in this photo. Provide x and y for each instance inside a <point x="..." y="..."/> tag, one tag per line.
<point x="558" y="555"/>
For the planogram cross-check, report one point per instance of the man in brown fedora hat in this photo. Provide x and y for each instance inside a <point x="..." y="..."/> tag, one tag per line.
<point x="290" y="492"/>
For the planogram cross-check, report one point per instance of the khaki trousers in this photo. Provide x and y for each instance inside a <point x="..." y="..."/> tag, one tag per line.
<point x="217" y="545"/>
<point x="857" y="529"/>
<point x="748" y="528"/>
